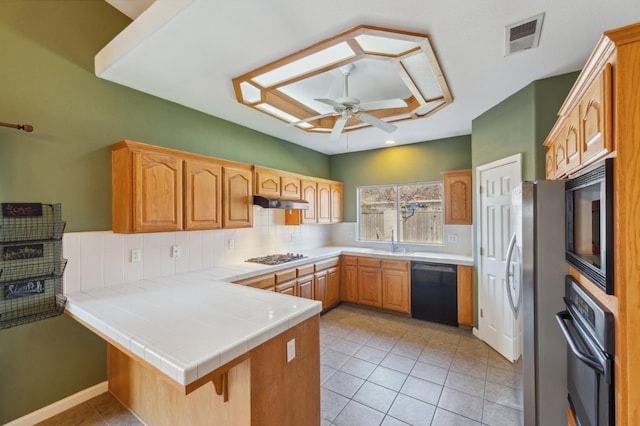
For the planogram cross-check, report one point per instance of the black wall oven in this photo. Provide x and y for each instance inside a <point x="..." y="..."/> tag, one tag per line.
<point x="589" y="329"/>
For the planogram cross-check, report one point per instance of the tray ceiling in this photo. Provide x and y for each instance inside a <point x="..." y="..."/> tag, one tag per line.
<point x="188" y="52"/>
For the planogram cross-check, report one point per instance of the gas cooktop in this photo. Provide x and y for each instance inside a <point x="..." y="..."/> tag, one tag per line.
<point x="276" y="259"/>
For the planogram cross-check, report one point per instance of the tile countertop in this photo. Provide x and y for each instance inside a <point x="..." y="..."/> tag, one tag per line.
<point x="188" y="325"/>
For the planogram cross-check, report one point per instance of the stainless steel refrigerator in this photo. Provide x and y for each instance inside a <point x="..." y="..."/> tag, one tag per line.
<point x="536" y="268"/>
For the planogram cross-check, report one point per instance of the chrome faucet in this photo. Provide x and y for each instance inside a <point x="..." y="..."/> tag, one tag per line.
<point x="393" y="243"/>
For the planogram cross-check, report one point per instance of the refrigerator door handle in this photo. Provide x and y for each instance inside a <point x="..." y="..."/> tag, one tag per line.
<point x="511" y="280"/>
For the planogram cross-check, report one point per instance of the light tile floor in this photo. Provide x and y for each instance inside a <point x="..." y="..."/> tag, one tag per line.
<point x="384" y="369"/>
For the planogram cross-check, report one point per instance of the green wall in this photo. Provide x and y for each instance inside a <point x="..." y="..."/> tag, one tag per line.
<point x="47" y="80"/>
<point x="520" y="123"/>
<point x="420" y="162"/>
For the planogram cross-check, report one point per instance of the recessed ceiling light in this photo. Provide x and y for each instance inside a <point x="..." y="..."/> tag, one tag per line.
<point x="389" y="142"/>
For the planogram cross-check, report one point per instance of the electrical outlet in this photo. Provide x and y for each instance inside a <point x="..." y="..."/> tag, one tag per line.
<point x="176" y="250"/>
<point x="291" y="350"/>
<point x="231" y="244"/>
<point x="452" y="238"/>
<point x="136" y="255"/>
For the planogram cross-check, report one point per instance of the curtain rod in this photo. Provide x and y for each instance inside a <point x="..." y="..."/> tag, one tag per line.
<point x="25" y="127"/>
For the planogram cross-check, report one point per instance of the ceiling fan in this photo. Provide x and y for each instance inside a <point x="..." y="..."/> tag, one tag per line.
<point x="346" y="107"/>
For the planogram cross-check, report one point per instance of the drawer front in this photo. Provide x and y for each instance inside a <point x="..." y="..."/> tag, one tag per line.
<point x="263" y="281"/>
<point x="369" y="262"/>
<point x="306" y="269"/>
<point x="350" y="260"/>
<point x="326" y="264"/>
<point x="285" y="275"/>
<point x="398" y="265"/>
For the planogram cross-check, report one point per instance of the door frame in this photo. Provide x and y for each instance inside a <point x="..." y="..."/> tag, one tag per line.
<point x="515" y="158"/>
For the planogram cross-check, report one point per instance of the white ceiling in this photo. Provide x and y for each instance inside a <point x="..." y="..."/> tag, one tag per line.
<point x="188" y="51"/>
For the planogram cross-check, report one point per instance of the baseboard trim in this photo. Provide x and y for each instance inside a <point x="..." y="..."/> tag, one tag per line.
<point x="476" y="333"/>
<point x="59" y="406"/>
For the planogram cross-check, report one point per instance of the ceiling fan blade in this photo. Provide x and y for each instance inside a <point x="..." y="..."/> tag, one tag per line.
<point x="315" y="117"/>
<point x="384" y="104"/>
<point x="376" y="122"/>
<point x="331" y="102"/>
<point x="339" y="126"/>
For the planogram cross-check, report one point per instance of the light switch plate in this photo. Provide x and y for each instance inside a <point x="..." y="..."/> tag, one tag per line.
<point x="291" y="350"/>
<point x="176" y="250"/>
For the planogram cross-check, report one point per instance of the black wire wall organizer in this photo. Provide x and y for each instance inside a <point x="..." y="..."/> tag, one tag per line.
<point x="31" y="263"/>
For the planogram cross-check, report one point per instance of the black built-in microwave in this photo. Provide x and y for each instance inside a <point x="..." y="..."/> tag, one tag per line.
<point x="589" y="224"/>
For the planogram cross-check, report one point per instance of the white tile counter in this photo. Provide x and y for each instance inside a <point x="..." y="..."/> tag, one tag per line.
<point x="189" y="324"/>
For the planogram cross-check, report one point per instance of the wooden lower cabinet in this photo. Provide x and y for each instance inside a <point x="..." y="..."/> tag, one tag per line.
<point x="396" y="286"/>
<point x="289" y="287"/>
<point x="349" y="282"/>
<point x="465" y="295"/>
<point x="320" y="289"/>
<point x="305" y="287"/>
<point x="333" y="286"/>
<point x="369" y="282"/>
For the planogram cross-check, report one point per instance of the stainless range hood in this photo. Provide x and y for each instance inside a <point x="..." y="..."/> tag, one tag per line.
<point x="275" y="203"/>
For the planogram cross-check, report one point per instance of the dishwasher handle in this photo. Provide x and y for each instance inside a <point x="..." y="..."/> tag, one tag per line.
<point x="433" y="268"/>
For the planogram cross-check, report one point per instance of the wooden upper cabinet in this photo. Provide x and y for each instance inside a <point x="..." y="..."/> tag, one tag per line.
<point x="324" y="202"/>
<point x="290" y="187"/>
<point x="146" y="189"/>
<point x="309" y="194"/>
<point x="336" y="202"/>
<point x="595" y="117"/>
<point x="582" y="133"/>
<point x="237" y="195"/>
<point x="267" y="182"/>
<point x="571" y="142"/>
<point x="157" y="192"/>
<point x="276" y="184"/>
<point x="457" y="197"/>
<point x="202" y="195"/>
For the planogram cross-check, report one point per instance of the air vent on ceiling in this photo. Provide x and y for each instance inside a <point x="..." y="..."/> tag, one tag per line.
<point x="523" y="35"/>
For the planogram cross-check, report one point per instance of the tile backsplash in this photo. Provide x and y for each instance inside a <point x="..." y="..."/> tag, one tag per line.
<point x="101" y="259"/>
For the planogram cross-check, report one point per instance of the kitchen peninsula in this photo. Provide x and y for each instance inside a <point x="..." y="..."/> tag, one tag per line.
<point x="192" y="347"/>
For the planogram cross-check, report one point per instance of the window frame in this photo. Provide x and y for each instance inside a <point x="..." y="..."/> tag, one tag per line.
<point x="398" y="186"/>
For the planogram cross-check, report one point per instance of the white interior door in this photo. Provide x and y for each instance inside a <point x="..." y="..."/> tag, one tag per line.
<point x="497" y="323"/>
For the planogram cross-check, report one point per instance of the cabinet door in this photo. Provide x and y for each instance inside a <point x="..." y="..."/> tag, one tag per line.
<point x="457" y="197"/>
<point x="324" y="202"/>
<point x="336" y="203"/>
<point x="237" y="198"/>
<point x="333" y="286"/>
<point x="369" y="286"/>
<point x="465" y="295"/>
<point x="290" y="187"/>
<point x="549" y="162"/>
<point x="349" y="284"/>
<point x="288" y="287"/>
<point x="202" y="195"/>
<point x="309" y="194"/>
<point x="395" y="286"/>
<point x="305" y="287"/>
<point x="157" y="192"/>
<point x="320" y="289"/>
<point x="572" y="141"/>
<point x="267" y="182"/>
<point x="560" y="158"/>
<point x="595" y="117"/>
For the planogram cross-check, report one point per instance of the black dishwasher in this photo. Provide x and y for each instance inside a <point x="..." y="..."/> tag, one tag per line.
<point x="434" y="292"/>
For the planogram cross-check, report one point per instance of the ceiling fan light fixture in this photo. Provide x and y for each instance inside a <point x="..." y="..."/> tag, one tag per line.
<point x="394" y="63"/>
